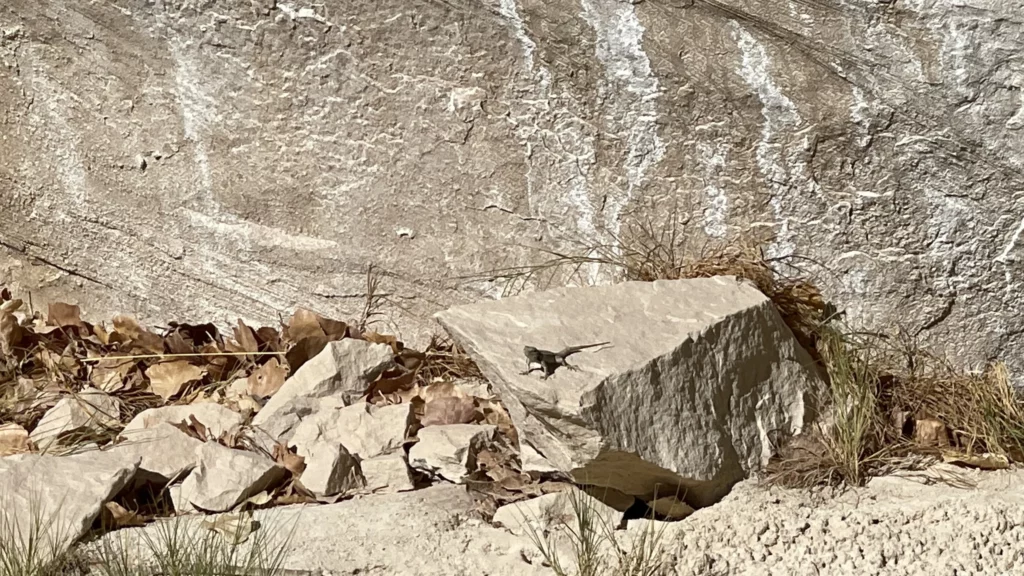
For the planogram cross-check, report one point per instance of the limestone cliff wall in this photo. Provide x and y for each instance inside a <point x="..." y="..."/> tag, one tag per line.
<point x="215" y="158"/>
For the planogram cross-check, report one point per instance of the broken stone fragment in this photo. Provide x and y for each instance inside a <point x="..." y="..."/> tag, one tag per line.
<point x="554" y="511"/>
<point x="332" y="378"/>
<point x="90" y="410"/>
<point x="224" y="477"/>
<point x="330" y="469"/>
<point x="450" y="451"/>
<point x="165" y="451"/>
<point x="386" y="474"/>
<point x="698" y="374"/>
<point x="365" y="430"/>
<point x="216" y="418"/>
<point x="66" y="493"/>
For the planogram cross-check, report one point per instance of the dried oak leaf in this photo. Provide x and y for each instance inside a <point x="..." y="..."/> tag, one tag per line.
<point x="198" y="334"/>
<point x="303" y="350"/>
<point x="176" y="344"/>
<point x="267" y="379"/>
<point x="138" y="336"/>
<point x="449" y="410"/>
<point x="386" y="386"/>
<point x="167" y="379"/>
<point x="304" y="324"/>
<point x="64" y="315"/>
<point x="10" y="306"/>
<point x="13" y="439"/>
<point x="245" y="339"/>
<point x="193" y="428"/>
<point x="116" y="516"/>
<point x="11" y="333"/>
<point x="270" y="339"/>
<point x="290" y="460"/>
<point x="376" y="338"/>
<point x="108" y="374"/>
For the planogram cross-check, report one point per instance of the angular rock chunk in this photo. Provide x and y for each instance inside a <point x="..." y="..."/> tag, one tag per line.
<point x="166" y="452"/>
<point x="64" y="494"/>
<point x="450" y="451"/>
<point x="88" y="410"/>
<point x="216" y="418"/>
<point x="698" y="374"/>
<point x="330" y="469"/>
<point x="225" y="477"/>
<point x="386" y="474"/>
<point x="558" y="510"/>
<point x="332" y="378"/>
<point x="365" y="430"/>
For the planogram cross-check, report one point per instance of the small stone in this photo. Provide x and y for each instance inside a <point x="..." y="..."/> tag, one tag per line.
<point x="224" y="477"/>
<point x="450" y="451"/>
<point x="88" y="410"/>
<point x="386" y="474"/>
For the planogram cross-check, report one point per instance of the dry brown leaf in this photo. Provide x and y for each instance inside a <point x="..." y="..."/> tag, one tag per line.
<point x="449" y="410"/>
<point x="290" y="460"/>
<point x="109" y="374"/>
<point x="267" y="379"/>
<point x="64" y="315"/>
<point x="303" y="350"/>
<point x="117" y="516"/>
<point x="137" y="335"/>
<point x="304" y="324"/>
<point x="442" y="390"/>
<point x="376" y="338"/>
<point x="176" y="344"/>
<point x="13" y="439"/>
<point x="11" y="333"/>
<point x="245" y="338"/>
<point x="167" y="379"/>
<point x="333" y="329"/>
<point x="388" y="386"/>
<point x="270" y="339"/>
<point x="234" y="528"/>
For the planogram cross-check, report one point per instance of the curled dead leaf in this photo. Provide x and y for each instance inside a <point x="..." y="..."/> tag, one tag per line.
<point x="290" y="460"/>
<point x="10" y="306"/>
<point x="13" y="439"/>
<point x="167" y="379"/>
<point x="986" y="461"/>
<point x="267" y="379"/>
<point x="449" y="410"/>
<point x="388" y="386"/>
<point x="117" y="516"/>
<point x="304" y="324"/>
<point x="245" y="339"/>
<point x="11" y="333"/>
<point x="108" y="374"/>
<point x="64" y="315"/>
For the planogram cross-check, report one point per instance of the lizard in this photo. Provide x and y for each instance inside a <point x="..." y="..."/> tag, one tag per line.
<point x="548" y="361"/>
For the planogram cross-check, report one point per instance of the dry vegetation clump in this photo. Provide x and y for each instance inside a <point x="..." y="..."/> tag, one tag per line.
<point x="888" y="403"/>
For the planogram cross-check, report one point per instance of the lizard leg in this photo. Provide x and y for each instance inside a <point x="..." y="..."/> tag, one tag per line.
<point x="570" y="367"/>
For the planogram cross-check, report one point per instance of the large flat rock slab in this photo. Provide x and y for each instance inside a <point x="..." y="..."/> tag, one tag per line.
<point x="57" y="496"/>
<point x="697" y="374"/>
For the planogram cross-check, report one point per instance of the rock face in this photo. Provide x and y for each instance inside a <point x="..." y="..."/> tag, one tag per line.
<point x="223" y="478"/>
<point x="61" y="496"/>
<point x="249" y="156"/>
<point x="696" y="376"/>
<point x="88" y="410"/>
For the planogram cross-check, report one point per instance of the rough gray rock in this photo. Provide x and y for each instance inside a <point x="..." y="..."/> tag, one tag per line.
<point x="386" y="474"/>
<point x="556" y="511"/>
<point x="895" y="526"/>
<point x="87" y="410"/>
<point x="166" y="453"/>
<point x="285" y="146"/>
<point x="364" y="429"/>
<point x="325" y="382"/>
<point x="223" y="478"/>
<point x="450" y="451"/>
<point x="697" y="375"/>
<point x="330" y="468"/>
<point x="429" y="532"/>
<point x="59" y="495"/>
<point x="217" y="419"/>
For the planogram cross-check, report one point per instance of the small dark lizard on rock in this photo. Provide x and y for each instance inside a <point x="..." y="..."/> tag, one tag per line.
<point x="548" y="361"/>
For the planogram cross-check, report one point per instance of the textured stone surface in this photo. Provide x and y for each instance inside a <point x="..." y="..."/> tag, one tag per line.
<point x="554" y="511"/>
<point x="364" y="429"/>
<point x="89" y="410"/>
<point x="59" y="495"/>
<point x="210" y="160"/>
<point x="894" y="526"/>
<point x="166" y="452"/>
<point x="449" y="451"/>
<point x="696" y="376"/>
<point x="216" y="418"/>
<point x="325" y="382"/>
<point x="385" y="474"/>
<point x="224" y="478"/>
<point x="330" y="468"/>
